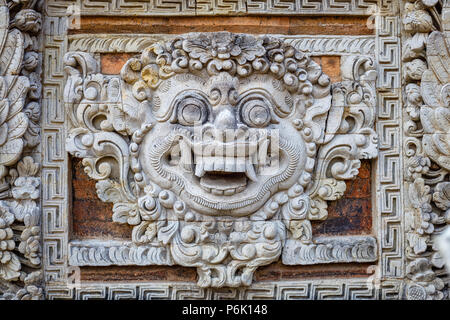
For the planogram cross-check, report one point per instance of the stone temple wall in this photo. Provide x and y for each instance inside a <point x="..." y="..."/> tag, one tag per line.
<point x="232" y="149"/>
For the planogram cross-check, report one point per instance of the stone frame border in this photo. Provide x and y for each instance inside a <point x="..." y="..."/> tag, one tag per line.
<point x="388" y="282"/>
<point x="210" y="7"/>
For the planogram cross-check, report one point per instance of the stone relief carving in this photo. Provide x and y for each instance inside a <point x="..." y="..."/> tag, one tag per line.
<point x="132" y="43"/>
<point x="345" y="289"/>
<point x="426" y="85"/>
<point x="422" y="268"/>
<point x="221" y="148"/>
<point x="20" y="94"/>
<point x="444" y="247"/>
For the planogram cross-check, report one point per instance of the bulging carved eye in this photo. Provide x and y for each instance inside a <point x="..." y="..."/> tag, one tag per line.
<point x="256" y="113"/>
<point x="191" y="111"/>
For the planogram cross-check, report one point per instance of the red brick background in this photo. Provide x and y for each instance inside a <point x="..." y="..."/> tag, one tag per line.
<point x="250" y="24"/>
<point x="91" y="217"/>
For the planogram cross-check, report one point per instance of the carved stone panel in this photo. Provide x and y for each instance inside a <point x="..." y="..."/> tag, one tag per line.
<point x="220" y="149"/>
<point x="224" y="149"/>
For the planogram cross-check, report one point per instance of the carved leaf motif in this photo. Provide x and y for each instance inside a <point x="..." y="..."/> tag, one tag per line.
<point x="166" y="233"/>
<point x="437" y="260"/>
<point x="144" y="232"/>
<point x="417" y="242"/>
<point x="11" y="151"/>
<point x="17" y="126"/>
<point x="29" y="245"/>
<point x="318" y="209"/>
<point x="301" y="230"/>
<point x="332" y="189"/>
<point x="4" y="23"/>
<point x="435" y="115"/>
<point x="16" y="78"/>
<point x="3" y="133"/>
<point x="12" y="53"/>
<point x="441" y="195"/>
<point x="27" y="167"/>
<point x="80" y="63"/>
<point x="18" y="89"/>
<point x="125" y="212"/>
<point x="110" y="191"/>
<point x="10" y="269"/>
<point x="22" y="208"/>
<point x="4" y="109"/>
<point x="9" y="263"/>
<point x="419" y="193"/>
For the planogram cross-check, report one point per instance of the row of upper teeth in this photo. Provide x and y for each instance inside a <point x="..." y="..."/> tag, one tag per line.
<point x="230" y="149"/>
<point x="221" y="164"/>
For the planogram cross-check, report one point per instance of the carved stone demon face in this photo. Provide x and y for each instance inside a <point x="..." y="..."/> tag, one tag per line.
<point x="230" y="116"/>
<point x="219" y="149"/>
<point x="224" y="143"/>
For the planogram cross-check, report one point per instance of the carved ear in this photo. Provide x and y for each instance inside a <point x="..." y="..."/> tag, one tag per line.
<point x="80" y="63"/>
<point x="336" y="112"/>
<point x="349" y="136"/>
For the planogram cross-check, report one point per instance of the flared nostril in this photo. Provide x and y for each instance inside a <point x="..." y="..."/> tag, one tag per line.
<point x="225" y="119"/>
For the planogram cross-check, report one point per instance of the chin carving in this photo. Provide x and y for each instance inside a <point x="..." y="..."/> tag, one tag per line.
<point x="221" y="149"/>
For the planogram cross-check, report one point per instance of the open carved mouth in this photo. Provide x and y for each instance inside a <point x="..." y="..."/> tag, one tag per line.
<point x="218" y="175"/>
<point x="224" y="176"/>
<point x="224" y="168"/>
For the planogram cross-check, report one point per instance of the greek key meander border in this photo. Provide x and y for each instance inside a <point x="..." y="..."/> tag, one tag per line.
<point x="389" y="220"/>
<point x="58" y="8"/>
<point x="314" y="289"/>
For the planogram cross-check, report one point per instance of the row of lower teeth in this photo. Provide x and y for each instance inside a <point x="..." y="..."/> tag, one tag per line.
<point x="227" y="192"/>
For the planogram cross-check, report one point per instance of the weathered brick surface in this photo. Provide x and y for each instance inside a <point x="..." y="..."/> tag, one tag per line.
<point x="273" y="272"/>
<point x="139" y="274"/>
<point x="111" y="63"/>
<point x="92" y="218"/>
<point x="249" y="24"/>
<point x="279" y="272"/>
<point x="352" y="214"/>
<point x="331" y="66"/>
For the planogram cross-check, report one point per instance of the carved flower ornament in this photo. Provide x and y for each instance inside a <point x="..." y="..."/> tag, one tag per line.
<point x="9" y="263"/>
<point x="219" y="147"/>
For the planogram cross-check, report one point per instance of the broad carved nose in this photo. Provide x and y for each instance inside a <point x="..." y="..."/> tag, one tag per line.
<point x="225" y="118"/>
